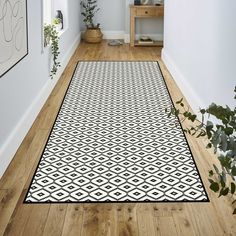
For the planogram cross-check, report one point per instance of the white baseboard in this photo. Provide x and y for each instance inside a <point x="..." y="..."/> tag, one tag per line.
<point x="110" y="34"/>
<point x="158" y="37"/>
<point x="126" y="37"/>
<point x="113" y="34"/>
<point x="15" y="139"/>
<point x="188" y="91"/>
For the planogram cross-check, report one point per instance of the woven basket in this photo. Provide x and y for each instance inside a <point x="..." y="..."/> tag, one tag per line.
<point x="93" y="35"/>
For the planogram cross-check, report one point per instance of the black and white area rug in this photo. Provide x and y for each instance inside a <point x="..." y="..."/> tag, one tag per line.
<point x="113" y="142"/>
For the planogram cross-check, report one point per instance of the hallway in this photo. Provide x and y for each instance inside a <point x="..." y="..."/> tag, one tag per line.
<point x="181" y="219"/>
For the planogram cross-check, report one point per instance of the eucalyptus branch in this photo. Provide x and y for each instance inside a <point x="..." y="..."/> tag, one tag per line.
<point x="221" y="137"/>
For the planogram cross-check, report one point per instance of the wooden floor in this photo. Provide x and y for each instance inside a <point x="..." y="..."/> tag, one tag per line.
<point x="148" y="219"/>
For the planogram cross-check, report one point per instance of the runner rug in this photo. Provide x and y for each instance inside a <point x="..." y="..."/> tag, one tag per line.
<point x="113" y="142"/>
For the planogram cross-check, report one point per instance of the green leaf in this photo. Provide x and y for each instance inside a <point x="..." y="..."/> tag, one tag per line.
<point x="209" y="145"/>
<point x="211" y="181"/>
<point x="233" y="171"/>
<point x="222" y="181"/>
<point x="192" y="118"/>
<point x="203" y="111"/>
<point x="211" y="173"/>
<point x="177" y="112"/>
<point x="180" y="101"/>
<point x="229" y="130"/>
<point x="214" y="187"/>
<point x="233" y="187"/>
<point x="216" y="169"/>
<point x="225" y="161"/>
<point x="224" y="192"/>
<point x="209" y="127"/>
<point x="224" y="143"/>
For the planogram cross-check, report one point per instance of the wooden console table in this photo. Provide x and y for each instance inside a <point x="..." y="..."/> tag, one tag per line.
<point x="147" y="11"/>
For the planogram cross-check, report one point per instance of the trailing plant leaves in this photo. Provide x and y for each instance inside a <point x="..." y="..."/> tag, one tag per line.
<point x="51" y="36"/>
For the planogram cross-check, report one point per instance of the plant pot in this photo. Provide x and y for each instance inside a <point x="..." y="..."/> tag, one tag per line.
<point x="58" y="26"/>
<point x="93" y="35"/>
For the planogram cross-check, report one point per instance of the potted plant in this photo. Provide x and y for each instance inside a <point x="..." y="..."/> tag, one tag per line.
<point x="93" y="32"/>
<point x="221" y="137"/>
<point x="57" y="22"/>
<point x="51" y="38"/>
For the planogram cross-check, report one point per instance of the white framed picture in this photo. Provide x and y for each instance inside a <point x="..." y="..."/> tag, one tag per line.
<point x="13" y="33"/>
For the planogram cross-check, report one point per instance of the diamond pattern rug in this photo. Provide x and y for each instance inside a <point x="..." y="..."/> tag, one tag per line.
<point x="113" y="142"/>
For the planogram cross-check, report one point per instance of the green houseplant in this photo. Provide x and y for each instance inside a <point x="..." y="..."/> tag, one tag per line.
<point x="221" y="136"/>
<point x="93" y="32"/>
<point x="51" y="37"/>
<point x="57" y="22"/>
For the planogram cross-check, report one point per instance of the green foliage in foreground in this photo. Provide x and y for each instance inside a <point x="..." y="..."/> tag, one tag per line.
<point x="221" y="136"/>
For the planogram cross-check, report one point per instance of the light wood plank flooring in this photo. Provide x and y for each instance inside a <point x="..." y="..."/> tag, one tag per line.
<point x="206" y="219"/>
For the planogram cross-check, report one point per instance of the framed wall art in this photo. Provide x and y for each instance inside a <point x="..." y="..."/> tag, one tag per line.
<point x="13" y="33"/>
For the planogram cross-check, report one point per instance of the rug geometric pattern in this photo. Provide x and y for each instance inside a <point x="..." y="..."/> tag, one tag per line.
<point x="112" y="141"/>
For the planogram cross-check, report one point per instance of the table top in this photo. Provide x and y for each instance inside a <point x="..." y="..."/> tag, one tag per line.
<point x="145" y="6"/>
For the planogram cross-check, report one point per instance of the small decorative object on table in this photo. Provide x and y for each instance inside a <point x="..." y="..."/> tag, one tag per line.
<point x="145" y="40"/>
<point x="137" y="2"/>
<point x="115" y="42"/>
<point x="93" y="32"/>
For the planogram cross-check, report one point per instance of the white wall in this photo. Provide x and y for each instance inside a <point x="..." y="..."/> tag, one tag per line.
<point x="25" y="88"/>
<point x="111" y="15"/>
<point x="200" y="49"/>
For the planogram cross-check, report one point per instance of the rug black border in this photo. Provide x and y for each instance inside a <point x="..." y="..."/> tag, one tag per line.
<point x="112" y="202"/>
